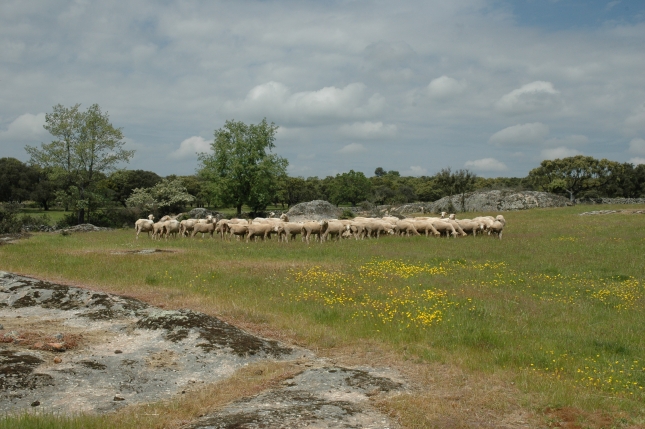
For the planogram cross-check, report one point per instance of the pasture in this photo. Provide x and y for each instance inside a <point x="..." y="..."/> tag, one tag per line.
<point x="544" y="327"/>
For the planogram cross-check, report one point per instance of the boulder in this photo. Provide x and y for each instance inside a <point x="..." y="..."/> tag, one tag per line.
<point x="201" y="213"/>
<point x="498" y="201"/>
<point x="313" y="210"/>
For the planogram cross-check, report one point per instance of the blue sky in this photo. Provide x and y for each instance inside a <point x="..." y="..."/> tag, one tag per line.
<point x="494" y="86"/>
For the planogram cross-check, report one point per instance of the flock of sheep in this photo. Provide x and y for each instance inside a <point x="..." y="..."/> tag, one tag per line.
<point x="324" y="230"/>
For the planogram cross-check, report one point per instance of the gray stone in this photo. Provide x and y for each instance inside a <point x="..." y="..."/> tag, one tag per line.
<point x="313" y="210"/>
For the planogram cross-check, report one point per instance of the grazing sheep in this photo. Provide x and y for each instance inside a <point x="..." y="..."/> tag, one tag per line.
<point x="376" y="227"/>
<point x="444" y="228"/>
<point x="312" y="228"/>
<point x="170" y="227"/>
<point x="144" y="225"/>
<point x="471" y="226"/>
<point x="288" y="230"/>
<point x="497" y="227"/>
<point x="405" y="227"/>
<point x="186" y="226"/>
<point x="258" y="230"/>
<point x="424" y="226"/>
<point x="239" y="230"/>
<point x="204" y="228"/>
<point x="334" y="228"/>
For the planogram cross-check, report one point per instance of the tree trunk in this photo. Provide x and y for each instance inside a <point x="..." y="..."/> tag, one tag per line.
<point x="81" y="216"/>
<point x="239" y="210"/>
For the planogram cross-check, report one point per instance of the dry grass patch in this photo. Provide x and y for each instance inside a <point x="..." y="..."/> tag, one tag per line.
<point x="201" y="400"/>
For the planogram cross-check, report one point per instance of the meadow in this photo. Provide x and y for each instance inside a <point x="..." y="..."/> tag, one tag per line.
<point x="545" y="323"/>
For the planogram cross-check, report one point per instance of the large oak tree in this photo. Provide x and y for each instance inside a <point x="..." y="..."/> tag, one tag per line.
<point x="242" y="169"/>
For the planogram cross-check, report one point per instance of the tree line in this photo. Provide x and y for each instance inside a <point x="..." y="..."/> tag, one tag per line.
<point x="78" y="172"/>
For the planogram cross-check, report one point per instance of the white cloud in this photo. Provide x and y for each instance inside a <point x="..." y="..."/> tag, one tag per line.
<point x="306" y="155"/>
<point x="416" y="170"/>
<point x="637" y="160"/>
<point x="25" y="128"/>
<point x="532" y="97"/>
<point x="558" y="152"/>
<point x="190" y="147"/>
<point x="353" y="148"/>
<point x="324" y="105"/>
<point x="637" y="146"/>
<point x="521" y="135"/>
<point x="444" y="87"/>
<point x="636" y="121"/>
<point x="572" y="140"/>
<point x="368" y="130"/>
<point x="486" y="164"/>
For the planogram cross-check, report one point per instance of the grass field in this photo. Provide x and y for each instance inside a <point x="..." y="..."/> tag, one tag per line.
<point x="543" y="327"/>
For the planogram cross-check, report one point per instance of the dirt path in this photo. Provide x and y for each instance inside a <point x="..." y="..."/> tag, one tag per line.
<point x="68" y="349"/>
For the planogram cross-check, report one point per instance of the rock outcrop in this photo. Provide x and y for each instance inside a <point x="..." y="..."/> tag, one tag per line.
<point x="314" y="210"/>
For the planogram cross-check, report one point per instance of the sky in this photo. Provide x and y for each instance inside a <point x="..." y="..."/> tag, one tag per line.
<point x="494" y="86"/>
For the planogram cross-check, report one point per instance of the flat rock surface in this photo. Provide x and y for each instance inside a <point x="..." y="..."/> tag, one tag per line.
<point x="68" y="349"/>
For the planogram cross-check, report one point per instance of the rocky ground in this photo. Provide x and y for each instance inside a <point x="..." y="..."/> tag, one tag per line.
<point x="68" y="349"/>
<point x="602" y="212"/>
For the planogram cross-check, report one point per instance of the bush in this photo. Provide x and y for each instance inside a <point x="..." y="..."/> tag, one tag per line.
<point x="115" y="218"/>
<point x="9" y="220"/>
<point x="347" y="214"/>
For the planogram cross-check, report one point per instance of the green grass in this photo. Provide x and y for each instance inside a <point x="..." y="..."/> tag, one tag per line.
<point x="52" y="215"/>
<point x="558" y="303"/>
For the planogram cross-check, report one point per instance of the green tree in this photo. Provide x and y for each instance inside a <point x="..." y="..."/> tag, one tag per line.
<point x="167" y="196"/>
<point x="86" y="146"/>
<point x="123" y="182"/>
<point x="17" y="179"/>
<point x="241" y="169"/>
<point x="456" y="183"/>
<point x="573" y="175"/>
<point x="351" y="187"/>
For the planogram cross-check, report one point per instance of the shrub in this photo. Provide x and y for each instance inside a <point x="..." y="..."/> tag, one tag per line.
<point x="9" y="221"/>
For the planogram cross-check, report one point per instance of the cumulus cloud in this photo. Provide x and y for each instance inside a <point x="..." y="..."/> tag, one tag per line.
<point x="25" y="128"/>
<point x="190" y="147"/>
<point x="532" y="97"/>
<point x="637" y="146"/>
<point x="368" y="130"/>
<point x="521" y="135"/>
<point x="324" y="105"/>
<point x="486" y="164"/>
<point x="444" y="87"/>
<point x="572" y="140"/>
<point x="353" y="148"/>
<point x="637" y="160"/>
<point x="559" y="152"/>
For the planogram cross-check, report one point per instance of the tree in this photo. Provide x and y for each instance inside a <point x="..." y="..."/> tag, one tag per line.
<point x="573" y="175"/>
<point x="86" y="146"/>
<point x="351" y="187"/>
<point x="123" y="182"/>
<point x="167" y="196"/>
<point x="241" y="170"/>
<point x="379" y="172"/>
<point x="17" y="180"/>
<point x="457" y="183"/>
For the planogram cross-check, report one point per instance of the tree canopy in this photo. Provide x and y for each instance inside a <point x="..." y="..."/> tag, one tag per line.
<point x="86" y="146"/>
<point x="167" y="196"/>
<point x="241" y="169"/>
<point x="573" y="175"/>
